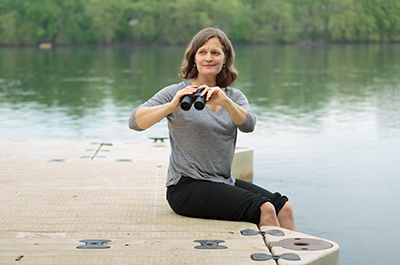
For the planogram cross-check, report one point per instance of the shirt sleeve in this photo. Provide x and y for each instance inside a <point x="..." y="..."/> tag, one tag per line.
<point x="162" y="97"/>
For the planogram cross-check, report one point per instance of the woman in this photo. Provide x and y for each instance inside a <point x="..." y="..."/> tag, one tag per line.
<point x="199" y="182"/>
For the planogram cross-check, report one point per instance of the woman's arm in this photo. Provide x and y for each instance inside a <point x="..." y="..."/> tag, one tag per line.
<point x="237" y="113"/>
<point x="146" y="116"/>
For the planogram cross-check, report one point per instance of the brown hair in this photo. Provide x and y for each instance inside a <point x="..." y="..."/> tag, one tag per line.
<point x="228" y="75"/>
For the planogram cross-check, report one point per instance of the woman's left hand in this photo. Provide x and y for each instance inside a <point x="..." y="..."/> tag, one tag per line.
<point x="215" y="95"/>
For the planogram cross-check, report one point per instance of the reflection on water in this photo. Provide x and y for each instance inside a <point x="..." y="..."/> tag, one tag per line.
<point x="328" y="129"/>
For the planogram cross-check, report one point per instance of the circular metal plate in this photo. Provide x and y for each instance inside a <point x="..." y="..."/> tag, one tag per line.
<point x="302" y="244"/>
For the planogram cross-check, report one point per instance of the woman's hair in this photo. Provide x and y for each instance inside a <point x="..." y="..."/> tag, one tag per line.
<point x="228" y="74"/>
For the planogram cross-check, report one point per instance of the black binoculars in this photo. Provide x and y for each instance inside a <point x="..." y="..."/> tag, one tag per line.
<point x="199" y="102"/>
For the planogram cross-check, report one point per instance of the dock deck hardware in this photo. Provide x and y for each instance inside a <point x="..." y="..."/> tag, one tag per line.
<point x="265" y="257"/>
<point x="210" y="244"/>
<point x="272" y="232"/>
<point x="107" y="144"/>
<point x="301" y="244"/>
<point x="97" y="150"/>
<point x="94" y="244"/>
<point x="158" y="138"/>
<point x="250" y="232"/>
<point x="56" y="160"/>
<point x="19" y="257"/>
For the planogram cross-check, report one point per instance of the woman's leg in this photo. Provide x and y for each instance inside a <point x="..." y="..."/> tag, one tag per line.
<point x="205" y="199"/>
<point x="278" y="212"/>
<point x="243" y="202"/>
<point x="285" y="217"/>
<point x="268" y="216"/>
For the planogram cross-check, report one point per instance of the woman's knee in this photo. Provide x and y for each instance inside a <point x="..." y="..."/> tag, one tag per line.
<point x="268" y="215"/>
<point x="268" y="209"/>
<point x="286" y="211"/>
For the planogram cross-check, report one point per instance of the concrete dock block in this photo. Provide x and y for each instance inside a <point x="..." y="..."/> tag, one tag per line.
<point x="242" y="165"/>
<point x="310" y="249"/>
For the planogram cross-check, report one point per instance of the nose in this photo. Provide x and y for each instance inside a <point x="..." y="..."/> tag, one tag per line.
<point x="208" y="57"/>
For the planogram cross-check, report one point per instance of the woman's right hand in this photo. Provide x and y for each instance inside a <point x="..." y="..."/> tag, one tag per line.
<point x="176" y="101"/>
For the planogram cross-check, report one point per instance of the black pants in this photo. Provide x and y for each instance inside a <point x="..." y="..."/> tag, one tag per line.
<point x="205" y="199"/>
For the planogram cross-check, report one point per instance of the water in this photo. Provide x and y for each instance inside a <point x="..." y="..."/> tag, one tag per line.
<point x="328" y="131"/>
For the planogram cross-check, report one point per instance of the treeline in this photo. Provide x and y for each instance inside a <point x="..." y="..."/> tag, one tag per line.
<point x="69" y="22"/>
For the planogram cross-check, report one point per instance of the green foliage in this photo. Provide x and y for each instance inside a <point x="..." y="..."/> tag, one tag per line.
<point x="273" y="21"/>
<point x="44" y="16"/>
<point x="76" y="26"/>
<point x="27" y="22"/>
<point x="8" y="24"/>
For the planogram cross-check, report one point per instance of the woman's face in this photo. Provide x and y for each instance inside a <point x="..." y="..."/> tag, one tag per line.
<point x="210" y="58"/>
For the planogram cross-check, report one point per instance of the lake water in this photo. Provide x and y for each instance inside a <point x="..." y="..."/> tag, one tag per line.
<point x="328" y="131"/>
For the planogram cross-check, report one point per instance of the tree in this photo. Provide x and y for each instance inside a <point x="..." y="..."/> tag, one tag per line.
<point x="387" y="18"/>
<point x="45" y="18"/>
<point x="350" y="22"/>
<point x="76" y="25"/>
<point x="109" y="19"/>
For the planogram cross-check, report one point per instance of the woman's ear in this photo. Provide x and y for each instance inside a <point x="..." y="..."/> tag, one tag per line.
<point x="226" y="57"/>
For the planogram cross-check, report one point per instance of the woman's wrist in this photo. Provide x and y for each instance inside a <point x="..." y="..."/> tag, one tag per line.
<point x="237" y="113"/>
<point x="170" y="107"/>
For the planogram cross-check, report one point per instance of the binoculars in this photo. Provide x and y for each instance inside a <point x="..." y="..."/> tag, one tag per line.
<point x="199" y="102"/>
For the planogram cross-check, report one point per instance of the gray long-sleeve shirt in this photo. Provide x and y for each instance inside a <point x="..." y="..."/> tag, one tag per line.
<point x="202" y="142"/>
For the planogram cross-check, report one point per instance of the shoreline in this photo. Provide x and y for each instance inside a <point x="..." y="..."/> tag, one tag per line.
<point x="124" y="45"/>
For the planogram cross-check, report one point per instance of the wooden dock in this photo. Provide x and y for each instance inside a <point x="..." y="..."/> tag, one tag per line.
<point x="82" y="202"/>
